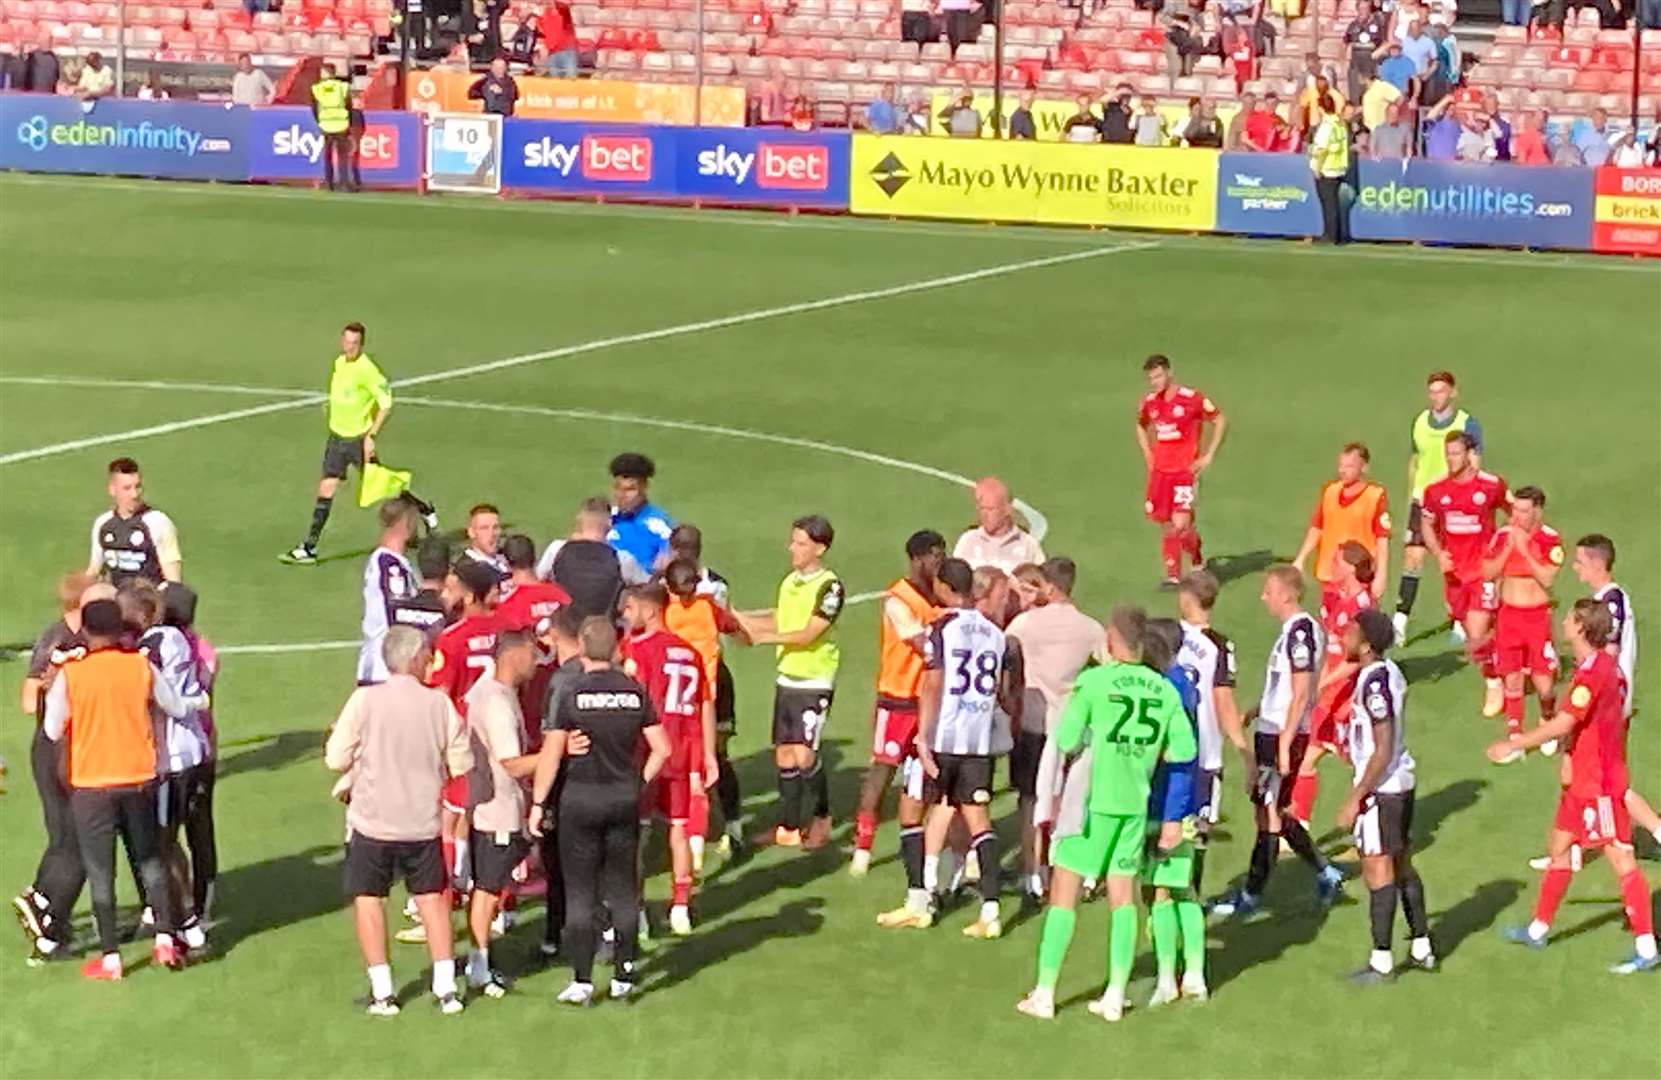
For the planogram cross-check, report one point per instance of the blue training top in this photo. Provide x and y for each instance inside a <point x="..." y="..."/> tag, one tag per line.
<point x="643" y="534"/>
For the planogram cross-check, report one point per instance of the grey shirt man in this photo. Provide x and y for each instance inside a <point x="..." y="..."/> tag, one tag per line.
<point x="397" y="742"/>
<point x="1392" y="141"/>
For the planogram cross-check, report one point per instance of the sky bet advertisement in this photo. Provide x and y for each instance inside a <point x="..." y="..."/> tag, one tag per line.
<point x="285" y="144"/>
<point x="183" y="140"/>
<point x="1496" y="205"/>
<point x="720" y="165"/>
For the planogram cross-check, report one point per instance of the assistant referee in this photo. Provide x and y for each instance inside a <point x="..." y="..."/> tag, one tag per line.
<point x="360" y="400"/>
<point x="598" y="811"/>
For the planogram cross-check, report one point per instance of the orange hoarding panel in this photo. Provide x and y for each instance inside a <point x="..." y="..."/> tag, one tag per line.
<point x="598" y="100"/>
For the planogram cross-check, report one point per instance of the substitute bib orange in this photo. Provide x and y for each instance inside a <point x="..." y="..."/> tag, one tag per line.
<point x="1362" y="517"/>
<point x="900" y="667"/>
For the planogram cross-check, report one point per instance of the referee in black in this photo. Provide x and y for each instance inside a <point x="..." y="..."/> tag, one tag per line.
<point x="598" y="813"/>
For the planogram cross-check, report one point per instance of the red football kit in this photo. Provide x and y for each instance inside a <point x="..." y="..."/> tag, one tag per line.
<point x="1173" y="423"/>
<point x="1522" y="635"/>
<point x="1332" y="707"/>
<point x="531" y="606"/>
<point x="1593" y="807"/>
<point x="673" y="674"/>
<point x="465" y="650"/>
<point x="1464" y="514"/>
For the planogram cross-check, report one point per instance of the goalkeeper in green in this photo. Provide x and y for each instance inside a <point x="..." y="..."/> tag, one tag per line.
<point x="1127" y="718"/>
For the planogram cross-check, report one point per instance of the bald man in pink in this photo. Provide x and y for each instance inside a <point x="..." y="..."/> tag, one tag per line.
<point x="996" y="540"/>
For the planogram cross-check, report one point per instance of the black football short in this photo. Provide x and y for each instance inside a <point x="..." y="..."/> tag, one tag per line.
<point x="726" y="700"/>
<point x="799" y="716"/>
<point x="340" y="454"/>
<point x="1385" y="824"/>
<point x="1415" y="525"/>
<point x="494" y="858"/>
<point x="1273" y="789"/>
<point x="373" y="865"/>
<point x="1023" y="763"/>
<point x="964" y="780"/>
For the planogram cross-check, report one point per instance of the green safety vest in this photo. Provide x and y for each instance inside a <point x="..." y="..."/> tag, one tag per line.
<point x="1334" y="159"/>
<point x="1428" y="442"/>
<point x="798" y="597"/>
<point x="334" y="105"/>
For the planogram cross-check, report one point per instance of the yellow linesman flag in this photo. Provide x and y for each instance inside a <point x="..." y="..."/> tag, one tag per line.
<point x="380" y="483"/>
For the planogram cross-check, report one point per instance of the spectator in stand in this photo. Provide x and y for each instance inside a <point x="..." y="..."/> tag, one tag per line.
<point x="1242" y="52"/>
<point x="1593" y="138"/>
<point x="772" y="106"/>
<point x="1287" y="9"/>
<point x="1391" y="139"/>
<point x="1499" y="125"/>
<point x="1420" y="48"/>
<point x="1202" y="128"/>
<point x="1396" y="68"/>
<point x="916" y="119"/>
<point x="1318" y="89"/>
<point x="97" y="79"/>
<point x="1476" y="139"/>
<point x="962" y="19"/>
<point x="917" y="21"/>
<point x="1289" y="137"/>
<point x="1185" y="43"/>
<point x="558" y="29"/>
<point x="1082" y="126"/>
<point x="1235" y="139"/>
<point x="1516" y="12"/>
<point x="1366" y="32"/>
<point x="1609" y="16"/>
<point x="1649" y="13"/>
<point x="1259" y="129"/>
<point x="1562" y="146"/>
<point x="250" y="85"/>
<point x="1021" y="123"/>
<point x="152" y="89"/>
<point x="1444" y="73"/>
<point x="1149" y="126"/>
<point x="1627" y="152"/>
<point x="1528" y="145"/>
<point x="802" y="114"/>
<point x="69" y="77"/>
<point x="1379" y="95"/>
<point x="881" y="117"/>
<point x="1652" y="140"/>
<point x="496" y="89"/>
<point x="41" y="68"/>
<point x="1443" y="132"/>
<point x="1117" y="117"/>
<point x="961" y="118"/>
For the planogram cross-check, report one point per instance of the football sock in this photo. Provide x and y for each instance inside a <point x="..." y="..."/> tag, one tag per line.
<point x="1635" y="899"/>
<point x="1199" y="865"/>
<point x="478" y="965"/>
<point x="1548" y="706"/>
<point x="1191" y="918"/>
<point x="911" y="855"/>
<point x="1170" y="553"/>
<point x="1263" y="860"/>
<point x="985" y="847"/>
<point x="931" y="873"/>
<point x="1382" y="910"/>
<point x="726" y="791"/>
<point x="1304" y="791"/>
<point x="1121" y="951"/>
<point x="680" y="893"/>
<point x="1297" y="838"/>
<point x="319" y="516"/>
<point x="1412" y="890"/>
<point x="444" y="977"/>
<point x="1553" y="884"/>
<point x="460" y="867"/>
<point x="1191" y="545"/>
<point x="1407" y="592"/>
<point x="1482" y="655"/>
<point x="1052" y="944"/>
<point x="1513" y="709"/>
<point x="1162" y="917"/>
<point x="380" y="981"/>
<point x="865" y="830"/>
<point x="818" y="781"/>
<point x="697" y="817"/>
<point x="791" y="790"/>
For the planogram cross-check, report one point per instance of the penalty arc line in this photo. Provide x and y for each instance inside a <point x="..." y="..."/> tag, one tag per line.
<point x="1037" y="523"/>
<point x="598" y="344"/>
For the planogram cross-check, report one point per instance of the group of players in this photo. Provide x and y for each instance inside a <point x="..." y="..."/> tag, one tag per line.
<point x="1114" y="734"/>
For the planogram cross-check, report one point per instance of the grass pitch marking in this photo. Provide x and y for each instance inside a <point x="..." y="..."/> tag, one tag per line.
<point x="1038" y="524"/>
<point x="294" y="401"/>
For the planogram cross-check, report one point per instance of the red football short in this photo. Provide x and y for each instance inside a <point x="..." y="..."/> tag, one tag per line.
<point x="1594" y="822"/>
<point x="455" y="795"/>
<point x="673" y="799"/>
<point x="1464" y="597"/>
<point x="1332" y="717"/>
<point x="1522" y="641"/>
<point x="1168" y="493"/>
<point x="893" y="731"/>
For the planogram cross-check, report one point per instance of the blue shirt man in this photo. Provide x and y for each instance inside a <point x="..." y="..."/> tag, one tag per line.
<point x="1397" y="69"/>
<point x="1442" y="139"/>
<point x="881" y="117"/>
<point x="639" y="529"/>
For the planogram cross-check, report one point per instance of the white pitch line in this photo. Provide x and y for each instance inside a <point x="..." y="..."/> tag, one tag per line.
<point x="638" y="338"/>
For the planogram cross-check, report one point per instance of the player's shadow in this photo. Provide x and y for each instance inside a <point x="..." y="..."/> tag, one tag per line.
<point x="1227" y="568"/>
<point x="686" y="957"/>
<point x="1292" y="918"/>
<point x="1433" y="668"/>
<point x="343" y="556"/>
<point x="278" y="892"/>
<point x="1430" y="811"/>
<point x="267" y="752"/>
<point x="1474" y="914"/>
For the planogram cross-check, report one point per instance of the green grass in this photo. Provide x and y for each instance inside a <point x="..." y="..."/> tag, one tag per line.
<point x="1033" y="374"/>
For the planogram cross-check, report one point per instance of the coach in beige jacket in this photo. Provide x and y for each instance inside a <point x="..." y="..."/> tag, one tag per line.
<point x="397" y="743"/>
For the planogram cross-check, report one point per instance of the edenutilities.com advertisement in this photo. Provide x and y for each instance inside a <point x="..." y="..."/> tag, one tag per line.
<point x="992" y="180"/>
<point x="1496" y="205"/>
<point x="720" y="165"/>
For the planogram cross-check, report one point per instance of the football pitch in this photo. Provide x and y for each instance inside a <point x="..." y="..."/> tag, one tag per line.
<point x="773" y="367"/>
